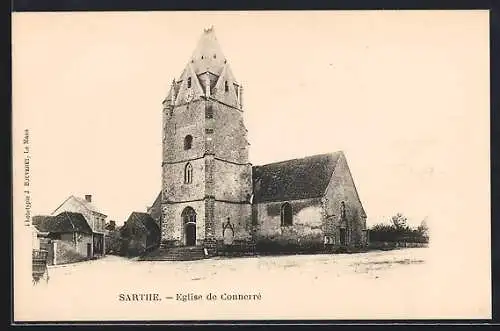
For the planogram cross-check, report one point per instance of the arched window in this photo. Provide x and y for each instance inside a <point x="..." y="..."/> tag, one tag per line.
<point x="188" y="215"/>
<point x="226" y="87"/>
<point x="188" y="141"/>
<point x="286" y="214"/>
<point x="189" y="82"/>
<point x="342" y="210"/>
<point x="188" y="173"/>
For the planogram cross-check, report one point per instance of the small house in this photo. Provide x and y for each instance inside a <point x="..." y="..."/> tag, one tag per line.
<point x="69" y="236"/>
<point x="139" y="234"/>
<point x="94" y="217"/>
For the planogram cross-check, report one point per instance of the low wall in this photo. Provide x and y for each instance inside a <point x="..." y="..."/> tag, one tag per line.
<point x="66" y="253"/>
<point x="288" y="244"/>
<point x="237" y="248"/>
<point x="394" y="244"/>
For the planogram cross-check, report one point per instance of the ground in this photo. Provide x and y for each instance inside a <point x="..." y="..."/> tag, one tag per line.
<point x="378" y="284"/>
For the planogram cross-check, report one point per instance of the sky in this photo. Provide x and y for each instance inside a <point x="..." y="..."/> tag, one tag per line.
<point x="405" y="95"/>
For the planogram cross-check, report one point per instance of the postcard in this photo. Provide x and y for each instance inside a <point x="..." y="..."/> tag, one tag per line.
<point x="261" y="165"/>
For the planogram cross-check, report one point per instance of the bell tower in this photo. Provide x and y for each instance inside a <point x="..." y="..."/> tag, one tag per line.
<point x="206" y="175"/>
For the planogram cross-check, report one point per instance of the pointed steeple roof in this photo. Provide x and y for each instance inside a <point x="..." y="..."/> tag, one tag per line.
<point x="207" y="73"/>
<point x="171" y="94"/>
<point x="226" y="78"/>
<point x="195" y="85"/>
<point x="207" y="55"/>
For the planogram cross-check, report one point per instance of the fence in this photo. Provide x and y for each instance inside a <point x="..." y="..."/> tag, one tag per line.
<point x="39" y="264"/>
<point x="48" y="246"/>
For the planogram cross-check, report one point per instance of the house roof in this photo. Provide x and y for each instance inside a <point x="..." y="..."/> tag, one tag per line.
<point x="142" y="221"/>
<point x="294" y="179"/>
<point x="62" y="223"/>
<point x="89" y="205"/>
<point x="155" y="210"/>
<point x="37" y="219"/>
<point x="109" y="226"/>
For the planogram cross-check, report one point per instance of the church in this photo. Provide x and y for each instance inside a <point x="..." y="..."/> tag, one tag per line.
<point x="213" y="197"/>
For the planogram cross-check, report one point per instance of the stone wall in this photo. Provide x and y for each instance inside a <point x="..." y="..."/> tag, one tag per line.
<point x="305" y="230"/>
<point x="65" y="252"/>
<point x="187" y="119"/>
<point x="229" y="140"/>
<point x="174" y="188"/>
<point x="232" y="182"/>
<point x="239" y="217"/>
<point x="341" y="188"/>
<point x="173" y="226"/>
<point x="82" y="239"/>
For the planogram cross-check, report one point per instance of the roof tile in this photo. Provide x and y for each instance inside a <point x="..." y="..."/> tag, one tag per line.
<point x="62" y="223"/>
<point x="294" y="179"/>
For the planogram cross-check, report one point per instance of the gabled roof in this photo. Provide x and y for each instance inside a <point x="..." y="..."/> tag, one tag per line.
<point x="196" y="87"/>
<point x="37" y="219"/>
<point x="155" y="210"/>
<point x="90" y="206"/>
<point x="143" y="222"/>
<point x="229" y="97"/>
<point x="62" y="223"/>
<point x="294" y="179"/>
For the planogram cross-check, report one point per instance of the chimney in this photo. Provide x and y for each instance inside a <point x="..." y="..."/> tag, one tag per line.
<point x="88" y="197"/>
<point x="112" y="225"/>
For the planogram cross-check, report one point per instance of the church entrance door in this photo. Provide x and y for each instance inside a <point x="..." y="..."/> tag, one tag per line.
<point x="343" y="236"/>
<point x="189" y="220"/>
<point x="190" y="234"/>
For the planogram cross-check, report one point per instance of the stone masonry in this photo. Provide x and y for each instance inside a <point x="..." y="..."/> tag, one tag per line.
<point x="208" y="183"/>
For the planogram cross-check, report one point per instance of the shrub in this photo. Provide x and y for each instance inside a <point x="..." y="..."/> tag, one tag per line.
<point x="113" y="242"/>
<point x="399" y="231"/>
